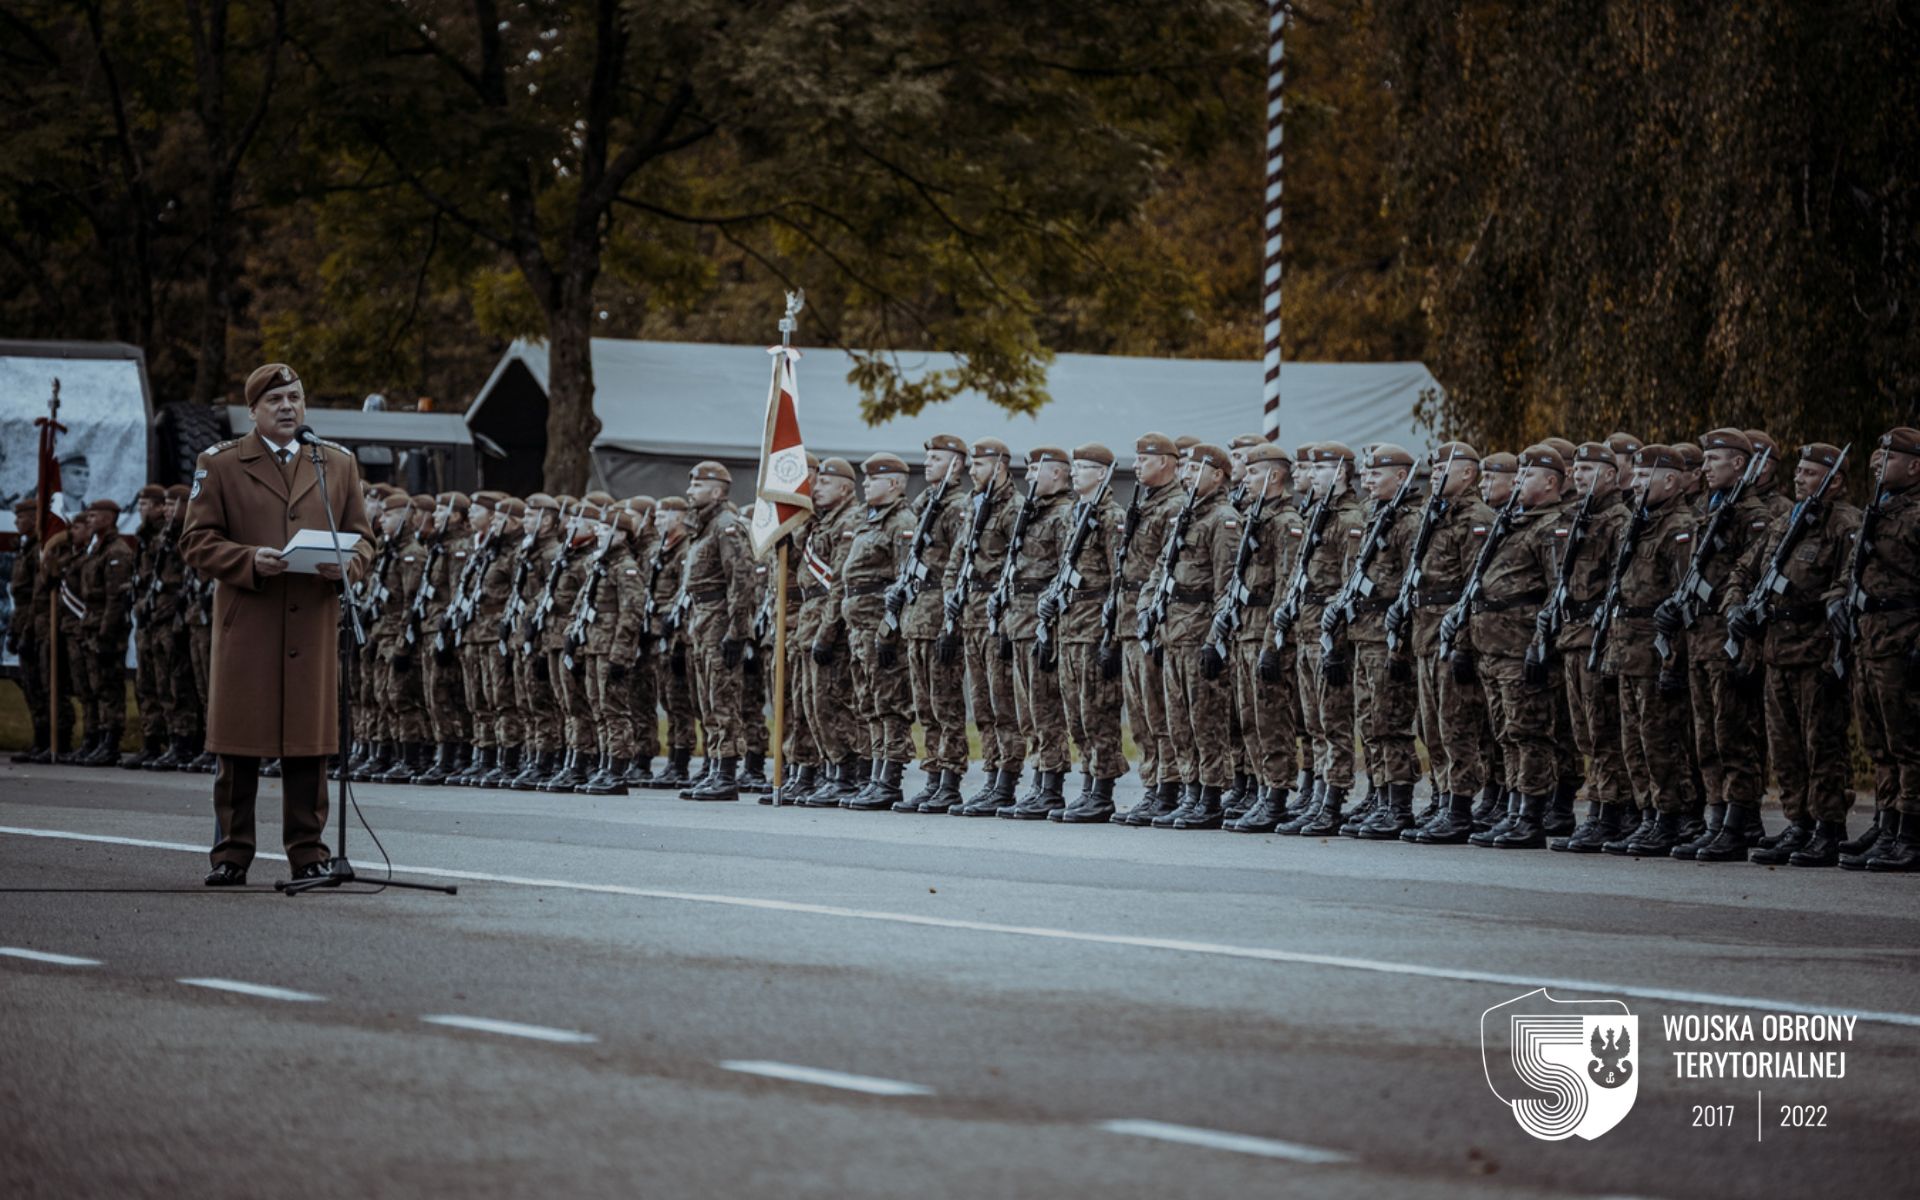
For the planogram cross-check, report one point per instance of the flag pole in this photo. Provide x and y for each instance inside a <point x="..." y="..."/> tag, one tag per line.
<point x="788" y="322"/>
<point x="44" y="494"/>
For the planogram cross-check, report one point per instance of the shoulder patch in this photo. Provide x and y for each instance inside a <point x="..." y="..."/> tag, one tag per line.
<point x="1760" y="524"/>
<point x="1562" y="532"/>
<point x="1685" y="535"/>
<point x="1230" y="523"/>
<point x="631" y="571"/>
<point x="1298" y="531"/>
<point x="1356" y="534"/>
<point x="1479" y="531"/>
<point x="217" y="447"/>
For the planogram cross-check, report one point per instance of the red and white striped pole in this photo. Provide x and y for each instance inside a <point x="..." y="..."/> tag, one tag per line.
<point x="1270" y="278"/>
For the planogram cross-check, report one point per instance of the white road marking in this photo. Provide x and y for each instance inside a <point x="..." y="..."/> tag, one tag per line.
<point x="833" y="1079"/>
<point x="539" y="1033"/>
<point x="260" y="990"/>
<point x="42" y="956"/>
<point x="1213" y="1139"/>
<point x="1181" y="945"/>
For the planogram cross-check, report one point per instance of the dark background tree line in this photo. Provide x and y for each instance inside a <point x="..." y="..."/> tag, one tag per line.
<point x="1582" y="215"/>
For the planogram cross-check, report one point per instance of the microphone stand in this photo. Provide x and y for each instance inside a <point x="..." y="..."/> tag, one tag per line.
<point x="340" y="870"/>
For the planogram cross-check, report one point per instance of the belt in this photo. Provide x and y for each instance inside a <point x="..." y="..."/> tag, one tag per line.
<point x="871" y="588"/>
<point x="1315" y="597"/>
<point x="812" y="591"/>
<point x="1537" y="596"/>
<point x="710" y="596"/>
<point x="1372" y="604"/>
<point x="1192" y="596"/>
<point x="1637" y="611"/>
<point x="1576" y="614"/>
<point x="1880" y="604"/>
<point x="1435" y="597"/>
<point x="1132" y="586"/>
<point x="1259" y="599"/>
<point x="1030" y="587"/>
<point x="1797" y="613"/>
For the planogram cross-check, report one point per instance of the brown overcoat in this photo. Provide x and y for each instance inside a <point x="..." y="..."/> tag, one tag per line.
<point x="275" y="640"/>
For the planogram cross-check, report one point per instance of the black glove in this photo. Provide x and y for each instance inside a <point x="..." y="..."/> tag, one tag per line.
<point x="1837" y="619"/>
<point x="1464" y="670"/>
<point x="678" y="663"/>
<point x="1048" y="606"/>
<point x="1743" y="622"/>
<point x="617" y="673"/>
<point x="1330" y="619"/>
<point x="1046" y="659"/>
<point x="1335" y="671"/>
<point x="895" y="600"/>
<point x="1450" y="625"/>
<point x="1398" y="614"/>
<point x="946" y="649"/>
<point x="1110" y="662"/>
<point x="1006" y="648"/>
<point x="1543" y="627"/>
<point x="750" y="658"/>
<point x="1672" y="681"/>
<point x="576" y="664"/>
<point x="887" y="654"/>
<point x="402" y="663"/>
<point x="1534" y="672"/>
<point x="13" y="642"/>
<point x="1666" y="618"/>
<point x="1271" y="666"/>
<point x="822" y="652"/>
<point x="1211" y="664"/>
<point x="730" y="652"/>
<point x="950" y="607"/>
<point x="1400" y="668"/>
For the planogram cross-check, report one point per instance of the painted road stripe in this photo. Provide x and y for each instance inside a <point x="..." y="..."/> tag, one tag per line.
<point x="1213" y="1139"/>
<point x="42" y="956"/>
<point x="1181" y="945"/>
<point x="539" y="1033"/>
<point x="260" y="990"/>
<point x="833" y="1079"/>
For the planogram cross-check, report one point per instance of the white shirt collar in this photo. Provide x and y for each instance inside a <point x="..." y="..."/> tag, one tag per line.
<point x="277" y="448"/>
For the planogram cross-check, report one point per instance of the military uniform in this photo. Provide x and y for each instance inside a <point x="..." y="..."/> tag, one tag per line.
<point x="53" y="635"/>
<point x="182" y="715"/>
<point x="990" y="685"/>
<point x="1326" y="698"/>
<point x="497" y="731"/>
<point x="672" y="678"/>
<point x="1386" y="698"/>
<point x="396" y="642"/>
<point x="148" y="686"/>
<point x="1268" y="703"/>
<point x="719" y="606"/>
<point x="880" y="688"/>
<point x="612" y="605"/>
<point x="448" y="717"/>
<point x="106" y="579"/>
<point x="1042" y="713"/>
<point x="826" y="687"/>
<point x="1091" y="699"/>
<point x="939" y="688"/>
<point x="25" y="630"/>
<point x="566" y="671"/>
<point x="643" y="698"/>
<point x="1141" y="671"/>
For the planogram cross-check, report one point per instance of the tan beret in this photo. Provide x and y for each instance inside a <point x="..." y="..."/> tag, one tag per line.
<point x="1500" y="463"/>
<point x="1324" y="452"/>
<point x="1727" y="439"/>
<point x="540" y="500"/>
<point x="839" y="467"/>
<point x="1901" y="439"/>
<point x="1185" y="442"/>
<point x="567" y="503"/>
<point x="884" y="464"/>
<point x="151" y="491"/>
<point x="1304" y="453"/>
<point x="1093" y="452"/>
<point x="1595" y="452"/>
<point x="627" y="521"/>
<point x="1245" y="440"/>
<point x="1560" y="446"/>
<point x="1268" y="452"/>
<point x="457" y="501"/>
<point x="1043" y="454"/>
<point x="31" y="504"/>
<point x="947" y="442"/>
<point x="813" y="461"/>
<point x="1209" y="455"/>
<point x="1155" y="443"/>
<point x="1624" y="443"/>
<point x="1689" y="454"/>
<point x="1762" y="440"/>
<point x="1450" y="451"/>
<point x="1543" y="456"/>
<point x="639" y="504"/>
<point x="598" y="498"/>
<point x="178" y="491"/>
<point x="390" y="492"/>
<point x="1386" y="454"/>
<point x="424" y="503"/>
<point x="265" y="378"/>
<point x="671" y="504"/>
<point x="991" y="448"/>
<point x="489" y="497"/>
<point x="1820" y="452"/>
<point x="1656" y="456"/>
<point x="513" y="506"/>
<point x="709" y="469"/>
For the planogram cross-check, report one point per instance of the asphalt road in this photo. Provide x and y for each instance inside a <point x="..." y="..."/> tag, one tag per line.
<point x="734" y="1000"/>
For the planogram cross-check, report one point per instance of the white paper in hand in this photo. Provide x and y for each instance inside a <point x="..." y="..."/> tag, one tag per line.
<point x="311" y="547"/>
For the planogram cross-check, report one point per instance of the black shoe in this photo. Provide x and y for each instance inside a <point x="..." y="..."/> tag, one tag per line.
<point x="1899" y="854"/>
<point x="1047" y="795"/>
<point x="1451" y="827"/>
<point x="226" y="875"/>
<point x="270" y="769"/>
<point x="911" y="804"/>
<point x="1237" y="799"/>
<point x="1437" y="807"/>
<point x="723" y="788"/>
<point x="1557" y="820"/>
<point x="313" y="870"/>
<point x="1086" y="791"/>
<point x="673" y="776"/>
<point x="1525" y="833"/>
<point x="1092" y="807"/>
<point x="1361" y="813"/>
<point x="1601" y="826"/>
<point x="151" y="748"/>
<point x="176" y="756"/>
<point x="998" y="795"/>
<point x="1295" y="820"/>
<point x="1716" y="816"/>
<point x="610" y="780"/>
<point x="1484" y="837"/>
<point x="1159" y="800"/>
<point x="1325" y="821"/>
<point x="1489" y="807"/>
<point x="1632" y="828"/>
<point x="1189" y="798"/>
<point x="1208" y="811"/>
<point x="1392" y="818"/>
<point x="1771" y="852"/>
<point x="1823" y="848"/>
<point x="640" y="770"/>
<point x="1265" y="814"/>
<point x="1739" y="833"/>
<point x="884" y="789"/>
<point x="946" y="795"/>
<point x="1870" y="834"/>
<point x="1890" y="825"/>
<point x="753" y="775"/>
<point x="1659" y="841"/>
<point x="436" y="771"/>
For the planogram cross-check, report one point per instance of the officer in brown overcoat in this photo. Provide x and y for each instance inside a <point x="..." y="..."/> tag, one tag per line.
<point x="274" y="677"/>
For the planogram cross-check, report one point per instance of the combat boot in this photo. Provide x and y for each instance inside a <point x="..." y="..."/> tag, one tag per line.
<point x="572" y="773"/>
<point x="1208" y="811"/>
<point x="868" y="779"/>
<point x="1484" y="837"/>
<point x="108" y="755"/>
<point x="724" y="786"/>
<point x="1361" y="813"/>
<point x="1090" y="807"/>
<point x="1268" y="808"/>
<point x="1870" y="834"/>
<point x="535" y="766"/>
<point x="1294" y="820"/>
<point x="1738" y="834"/>
<point x="176" y="757"/>
<point x="408" y="758"/>
<point x="826" y="793"/>
<point x="204" y="760"/>
<point x="1157" y="802"/>
<point x="466" y="766"/>
<point x="1453" y="826"/>
<point x="912" y="803"/>
<point x="1557" y="820"/>
<point x="640" y="770"/>
<point x="1693" y="822"/>
<point x="1771" y="852"/>
<point x="40" y="742"/>
<point x="376" y="761"/>
<point x="1325" y="821"/>
<point x="436" y="771"/>
<point x="883" y="790"/>
<point x="483" y="759"/>
<point x="505" y="767"/>
<point x="1525" y="833"/>
<point x="609" y="781"/>
<point x="1898" y="853"/>
<point x="753" y="774"/>
<point x="1635" y="826"/>
<point x="361" y="748"/>
<point x="1716" y="816"/>
<point x="1189" y="794"/>
<point x="89" y="742"/>
<point x="947" y="795"/>
<point x="696" y="777"/>
<point x="1047" y="795"/>
<point x="1659" y="841"/>
<point x="1436" y="809"/>
<point x="854" y="782"/>
<point x="799" y="785"/>
<point x="1392" y="817"/>
<point x="673" y="776"/>
<point x="593" y="769"/>
<point x="1086" y="791"/>
<point x="1823" y="848"/>
<point x="150" y="749"/>
<point x="1238" y="798"/>
<point x="1565" y="843"/>
<point x="1490" y="807"/>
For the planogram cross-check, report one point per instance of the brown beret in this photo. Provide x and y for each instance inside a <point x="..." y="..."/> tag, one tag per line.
<point x="540" y="500"/>
<point x="1820" y="452"/>
<point x="948" y="442"/>
<point x="1500" y="463"/>
<point x="31" y="504"/>
<point x="1386" y="454"/>
<point x="178" y="491"/>
<point x="708" y="469"/>
<point x="675" y="503"/>
<point x="839" y="467"/>
<point x="1305" y="452"/>
<point x="1624" y="443"/>
<point x="110" y="507"/>
<point x="513" y="506"/>
<point x="599" y="498"/>
<point x="1595" y="452"/>
<point x="1268" y="452"/>
<point x="1043" y="454"/>
<point x="567" y="503"/>
<point x="457" y="501"/>
<point x="1093" y="452"/>
<point x="1560" y="446"/>
<point x="1762" y="440"/>
<point x="626" y="521"/>
<point x="642" y="503"/>
<point x="1543" y="456"/>
<point x="1185" y="442"/>
<point x="1901" y="439"/>
<point x="884" y="464"/>
<point x="423" y="503"/>
<point x="1689" y="454"/>
<point x="151" y="491"/>
<point x="1727" y="439"/>
<point x="1245" y="440"/>
<point x="991" y="448"/>
<point x="1324" y="452"/>
<point x="813" y="461"/>
<point x="1656" y="456"/>
<point x="264" y="379"/>
<point x="390" y="492"/>
<point x="1209" y="455"/>
<point x="489" y="497"/>
<point x="1155" y="443"/>
<point x="1449" y="451"/>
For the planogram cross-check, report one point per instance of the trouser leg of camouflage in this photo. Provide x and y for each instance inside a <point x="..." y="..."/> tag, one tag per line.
<point x="1567" y="763"/>
<point x="675" y="686"/>
<point x="109" y="687"/>
<point x="497" y="680"/>
<point x="799" y="747"/>
<point x="539" y="709"/>
<point x="408" y="702"/>
<point x="1807" y="734"/>
<point x="755" y="690"/>
<point x="886" y="702"/>
<point x="1893" y="698"/>
<point x="1523" y="723"/>
<point x="832" y="713"/>
<point x="1593" y="699"/>
<point x="940" y="705"/>
<point x="440" y="693"/>
<point x="53" y="662"/>
<point x="612" y="704"/>
<point x="1270" y="714"/>
<point x="1384" y="711"/>
<point x="1460" y="764"/>
<point x="1426" y="718"/>
<point x="570" y="689"/>
<point x="1146" y="698"/>
<point x="1329" y="717"/>
<point x="716" y="691"/>
<point x="1043" y="716"/>
<point x="33" y="681"/>
<point x="643" y="702"/>
<point x="366" y="702"/>
<point x="1729" y="716"/>
<point x="1093" y="709"/>
<point x="81" y="674"/>
<point x="1197" y="718"/>
<point x="147" y="683"/>
<point x="470" y="674"/>
<point x="996" y="713"/>
<point x="1654" y="738"/>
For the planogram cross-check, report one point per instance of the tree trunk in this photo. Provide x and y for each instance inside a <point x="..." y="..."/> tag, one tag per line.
<point x="571" y="424"/>
<point x="210" y="376"/>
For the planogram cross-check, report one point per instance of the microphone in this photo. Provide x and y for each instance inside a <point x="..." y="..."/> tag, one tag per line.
<point x="305" y="435"/>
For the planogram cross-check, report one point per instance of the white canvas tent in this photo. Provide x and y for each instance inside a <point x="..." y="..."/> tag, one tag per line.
<point x="105" y="405"/>
<point x="666" y="405"/>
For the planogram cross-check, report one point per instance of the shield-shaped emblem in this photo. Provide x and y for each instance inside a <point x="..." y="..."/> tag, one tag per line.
<point x="1563" y="1067"/>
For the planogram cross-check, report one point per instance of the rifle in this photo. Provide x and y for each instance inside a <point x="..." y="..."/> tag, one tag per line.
<point x="1629" y="541"/>
<point x="1540" y="649"/>
<point x="466" y="589"/>
<point x="1339" y="610"/>
<point x="1067" y="580"/>
<point x="417" y="611"/>
<point x="1002" y="594"/>
<point x="516" y="599"/>
<point x="1400" y="612"/>
<point x="1773" y="581"/>
<point x="1288" y="610"/>
<point x="1110" y="607"/>
<point x="1855" y="597"/>
<point x="1156" y="614"/>
<point x="584" y="612"/>
<point x="954" y="603"/>
<point x="651" y="608"/>
<point x="762" y="618"/>
<point x="1226" y="614"/>
<point x="1502" y="521"/>
<point x="913" y="572"/>
<point x="1694" y="590"/>
<point x="150" y="591"/>
<point x="537" y="620"/>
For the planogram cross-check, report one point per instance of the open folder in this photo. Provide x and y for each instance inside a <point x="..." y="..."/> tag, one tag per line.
<point x="311" y="547"/>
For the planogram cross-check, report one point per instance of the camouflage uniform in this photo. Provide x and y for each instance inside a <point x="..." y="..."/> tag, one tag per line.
<point x="618" y="600"/>
<point x="24" y="634"/>
<point x="1385" y="707"/>
<point x="1270" y="712"/>
<point x="939" y="689"/>
<point x="1142" y="673"/>
<point x="396" y="681"/>
<point x="990" y="688"/>
<point x="879" y="545"/>
<point x="1197" y="706"/>
<point x="1593" y="695"/>
<point x="56" y="560"/>
<point x="1454" y="708"/>
<point x="148" y="683"/>
<point x="1042" y="713"/>
<point x="1886" y="656"/>
<point x="719" y="617"/>
<point x="1327" y="706"/>
<point x="1092" y="701"/>
<point x="826" y="689"/>
<point x="673" y="679"/>
<point x="106" y="581"/>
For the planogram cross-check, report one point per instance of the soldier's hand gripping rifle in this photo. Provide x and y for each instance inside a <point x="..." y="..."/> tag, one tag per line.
<point x="914" y="571"/>
<point x="651" y="609"/>
<point x="1682" y="609"/>
<point x="1843" y="614"/>
<point x="1456" y="617"/>
<point x="537" y="619"/>
<point x="1553" y="615"/>
<point x="1002" y="594"/>
<point x="1339" y="612"/>
<point x="1610" y="601"/>
<point x="954" y="604"/>
<point x="417" y="611"/>
<point x="1749" y="619"/>
<point x="1288" y="610"/>
<point x="1061" y="590"/>
<point x="1147" y="631"/>
<point x="585" y="612"/>
<point x="1226" y="612"/>
<point x="1110" y="607"/>
<point x="516" y="606"/>
<point x="1400" y="612"/>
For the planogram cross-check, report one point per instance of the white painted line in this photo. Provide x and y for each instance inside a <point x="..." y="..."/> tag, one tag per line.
<point x="1181" y="945"/>
<point x="41" y="956"/>
<point x="1239" y="1143"/>
<point x="833" y="1079"/>
<point x="259" y="990"/>
<point x="539" y="1033"/>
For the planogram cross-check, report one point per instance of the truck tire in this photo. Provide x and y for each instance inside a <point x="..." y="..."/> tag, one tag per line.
<point x="185" y="430"/>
